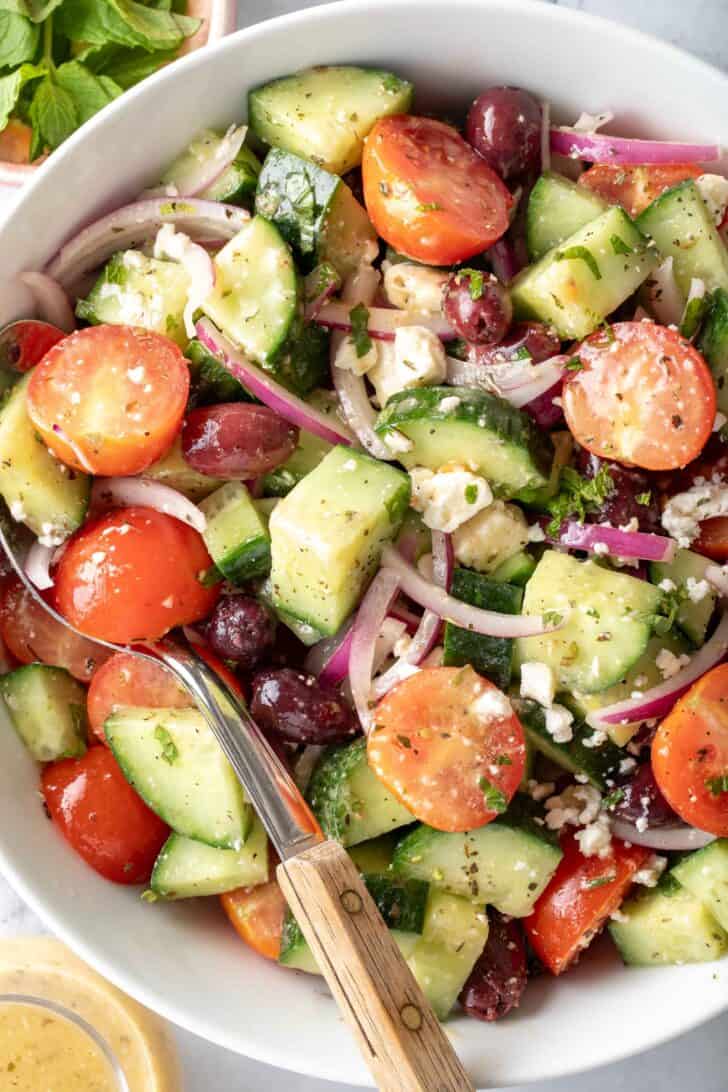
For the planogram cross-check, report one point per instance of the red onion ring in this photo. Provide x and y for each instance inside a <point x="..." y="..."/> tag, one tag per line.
<point x="603" y="148"/>
<point x="328" y="660"/>
<point x="665" y="838"/>
<point x="383" y="321"/>
<point x="590" y="536"/>
<point x="51" y="300"/>
<point x="357" y="410"/>
<point x="124" y="492"/>
<point x="373" y="610"/>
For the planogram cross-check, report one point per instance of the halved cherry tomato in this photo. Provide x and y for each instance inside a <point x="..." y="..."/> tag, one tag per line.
<point x="690" y="754"/>
<point x="581" y="895"/>
<point x="643" y="396"/>
<point x="257" y="914"/>
<point x="634" y="188"/>
<point x="32" y="634"/>
<point x="110" y="399"/>
<point x="102" y="817"/>
<point x="133" y="575"/>
<point x="24" y="343"/>
<point x="448" y="745"/>
<point x="15" y="142"/>
<point x="428" y="193"/>
<point x="128" y="680"/>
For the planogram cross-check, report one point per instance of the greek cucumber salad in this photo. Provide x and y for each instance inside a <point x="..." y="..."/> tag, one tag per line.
<point x="416" y="428"/>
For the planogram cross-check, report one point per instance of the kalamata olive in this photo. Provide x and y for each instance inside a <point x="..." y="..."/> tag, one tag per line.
<point x="477" y="306"/>
<point x="241" y="629"/>
<point x="295" y="706"/>
<point x="633" y="495"/>
<point x="25" y="342"/>
<point x="236" y="440"/>
<point x="642" y="799"/>
<point x="504" y="127"/>
<point x="498" y="979"/>
<point x="539" y="341"/>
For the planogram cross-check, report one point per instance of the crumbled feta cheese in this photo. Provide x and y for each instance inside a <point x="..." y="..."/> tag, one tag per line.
<point x="684" y="512"/>
<point x="491" y="537"/>
<point x="347" y="359"/>
<point x="415" y="288"/>
<point x="600" y="549"/>
<point x="536" y="533"/>
<point x="720" y="420"/>
<point x="538" y="682"/>
<point x="449" y="497"/>
<point x="651" y="871"/>
<point x="631" y="526"/>
<point x="667" y="585"/>
<point x="448" y="404"/>
<point x="417" y="359"/>
<point x="539" y="790"/>
<point x="668" y="664"/>
<point x="595" y="840"/>
<point x="491" y="705"/>
<point x="558" y="722"/>
<point x="696" y="589"/>
<point x="390" y="632"/>
<point x="397" y="442"/>
<point x="718" y="577"/>
<point x="627" y="765"/>
<point x="714" y="191"/>
<point x="577" y="805"/>
<point x="178" y="247"/>
<point x="402" y="646"/>
<point x="597" y="739"/>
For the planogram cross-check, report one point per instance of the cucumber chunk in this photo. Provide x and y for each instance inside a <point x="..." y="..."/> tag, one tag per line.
<point x="556" y="209"/>
<point x="581" y="281"/>
<point x="134" y="290"/>
<point x="599" y="764"/>
<point x="516" y="570"/>
<point x="324" y="113"/>
<point x="48" y="710"/>
<point x="187" y="869"/>
<point x="683" y="229"/>
<point x="315" y="212"/>
<point x="173" y="470"/>
<point x="210" y="382"/>
<point x="667" y="924"/>
<point x="237" y="183"/>
<point x="309" y="452"/>
<point x="705" y="875"/>
<point x="40" y="492"/>
<point x="327" y="535"/>
<point x="504" y="864"/>
<point x="350" y="802"/>
<point x="713" y="344"/>
<point x="490" y="656"/>
<point x="236" y="534"/>
<point x="608" y="621"/>
<point x="693" y="616"/>
<point x="483" y="431"/>
<point x="174" y="762"/>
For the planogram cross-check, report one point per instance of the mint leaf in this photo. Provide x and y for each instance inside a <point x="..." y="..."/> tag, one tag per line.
<point x="124" y="22"/>
<point x="126" y="67"/>
<point x="87" y="91"/>
<point x="359" y="317"/>
<point x="52" y="115"/>
<point x="578" y="496"/>
<point x="169" y="748"/>
<point x="35" y="10"/>
<point x="19" y="39"/>
<point x="582" y="254"/>
<point x="495" y="799"/>
<point x="12" y="85"/>
<point x="716" y="786"/>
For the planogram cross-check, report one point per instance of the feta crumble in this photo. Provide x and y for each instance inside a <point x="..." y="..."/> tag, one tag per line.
<point x="684" y="512"/>
<point x="491" y="537"/>
<point x="416" y="359"/>
<point x="559" y="722"/>
<point x="538" y="682"/>
<point x="491" y="705"/>
<point x="449" y="497"/>
<point x="595" y="840"/>
<point x="347" y="360"/>
<point x="668" y="664"/>
<point x="713" y="189"/>
<point x="696" y="589"/>
<point x="651" y="871"/>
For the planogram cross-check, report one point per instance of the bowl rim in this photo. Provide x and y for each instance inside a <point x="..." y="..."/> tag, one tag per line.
<point x="248" y="36"/>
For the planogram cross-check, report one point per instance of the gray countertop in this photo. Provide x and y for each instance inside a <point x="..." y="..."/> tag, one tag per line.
<point x="696" y="1060"/>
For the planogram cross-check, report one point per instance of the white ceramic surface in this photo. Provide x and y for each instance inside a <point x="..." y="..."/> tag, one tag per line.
<point x="182" y="960"/>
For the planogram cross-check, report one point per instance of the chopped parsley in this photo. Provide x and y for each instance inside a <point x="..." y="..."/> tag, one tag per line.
<point x="471" y="493"/>
<point x="359" y="317"/>
<point x="619" y="246"/>
<point x="644" y="498"/>
<point x="668" y="609"/>
<point x="574" y="364"/>
<point x="600" y="881"/>
<point x="578" y="496"/>
<point x="717" y="785"/>
<point x="495" y="800"/>
<point x="391" y="83"/>
<point x="503" y="760"/>
<point x="169" y="747"/>
<point x="613" y="798"/>
<point x="476" y="282"/>
<point x="581" y="254"/>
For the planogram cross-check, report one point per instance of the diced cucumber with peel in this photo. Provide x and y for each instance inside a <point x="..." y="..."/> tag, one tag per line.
<point x="350" y="802"/>
<point x="236" y="185"/>
<point x="599" y="764"/>
<point x="309" y="452"/>
<point x="324" y="113"/>
<point x="578" y="283"/>
<point x="135" y="290"/>
<point x="236" y="534"/>
<point x="327" y="535"/>
<point x="563" y="449"/>
<point x="667" y="925"/>
<point x="504" y="864"/>
<point x="463" y="425"/>
<point x="713" y="344"/>
<point x="607" y="621"/>
<point x="558" y="207"/>
<point x="489" y="656"/>
<point x="687" y="572"/>
<point x="39" y="491"/>
<point x="48" y="709"/>
<point x="517" y="570"/>
<point x="210" y="381"/>
<point x="682" y="228"/>
<point x="174" y="762"/>
<point x="174" y="470"/>
<point x="186" y="868"/>
<point x="704" y="874"/>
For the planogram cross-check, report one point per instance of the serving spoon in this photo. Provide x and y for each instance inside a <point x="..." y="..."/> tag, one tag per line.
<point x="399" y="1036"/>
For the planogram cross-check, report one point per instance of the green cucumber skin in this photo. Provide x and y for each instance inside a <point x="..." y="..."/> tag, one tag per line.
<point x="490" y="656"/>
<point x="47" y="707"/>
<point x="557" y="208"/>
<point x="237" y="185"/>
<point x="713" y="344"/>
<point x="681" y="226"/>
<point x="599" y="764"/>
<point x="210" y="382"/>
<point x="296" y="196"/>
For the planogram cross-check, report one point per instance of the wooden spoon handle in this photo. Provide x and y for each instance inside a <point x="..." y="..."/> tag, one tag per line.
<point x="399" y="1035"/>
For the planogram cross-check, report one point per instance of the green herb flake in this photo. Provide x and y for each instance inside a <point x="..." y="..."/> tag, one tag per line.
<point x="613" y="798"/>
<point x="619" y="246"/>
<point x="471" y="493"/>
<point x="574" y="364"/>
<point x="359" y="318"/>
<point x="599" y="881"/>
<point x="717" y="785"/>
<point x="476" y="282"/>
<point x="580" y="254"/>
<point x="578" y="496"/>
<point x="149" y="896"/>
<point x="503" y="760"/>
<point x="169" y="747"/>
<point x="644" y="498"/>
<point x="495" y="800"/>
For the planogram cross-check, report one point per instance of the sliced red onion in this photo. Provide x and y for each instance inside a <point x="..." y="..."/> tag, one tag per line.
<point x="438" y="601"/>
<point x="373" y="610"/>
<point x="604" y="148"/>
<point x="272" y="394"/>
<point x="403" y="614"/>
<point x="319" y="286"/>
<point x="78" y="454"/>
<point x="137" y="223"/>
<point x="666" y="839"/>
<point x="123" y="492"/>
<point x="38" y="565"/>
<point x="504" y="261"/>
<point x="195" y="260"/>
<point x="544" y="378"/>
<point x="658" y="701"/>
<point x="50" y="300"/>
<point x="202" y="173"/>
<point x="664" y="298"/>
<point x="328" y="660"/>
<point x="383" y="321"/>
<point x="517" y="381"/>
<point x="357" y="410"/>
<point x="591" y="536"/>
<point x="545" y="136"/>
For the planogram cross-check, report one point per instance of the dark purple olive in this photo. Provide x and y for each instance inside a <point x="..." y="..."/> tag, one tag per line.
<point x="504" y="127"/>
<point x="241" y="629"/>
<point x="538" y="340"/>
<point x="498" y="979"/>
<point x="478" y="307"/>
<point x="296" y="707"/>
<point x="642" y="799"/>
<point x="236" y="440"/>
<point x="633" y="496"/>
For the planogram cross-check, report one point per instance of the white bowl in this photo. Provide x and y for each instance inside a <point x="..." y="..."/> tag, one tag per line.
<point x="184" y="960"/>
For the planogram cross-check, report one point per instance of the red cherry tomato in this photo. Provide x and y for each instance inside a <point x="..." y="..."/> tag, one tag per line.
<point x="24" y="343"/>
<point x="102" y="817"/>
<point x="634" y="188"/>
<point x="643" y="396"/>
<point x="447" y="744"/>
<point x="428" y="193"/>
<point x="581" y="895"/>
<point x="128" y="680"/>
<point x="257" y="915"/>
<point x="110" y="399"/>
<point x="133" y="575"/>
<point x="690" y="754"/>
